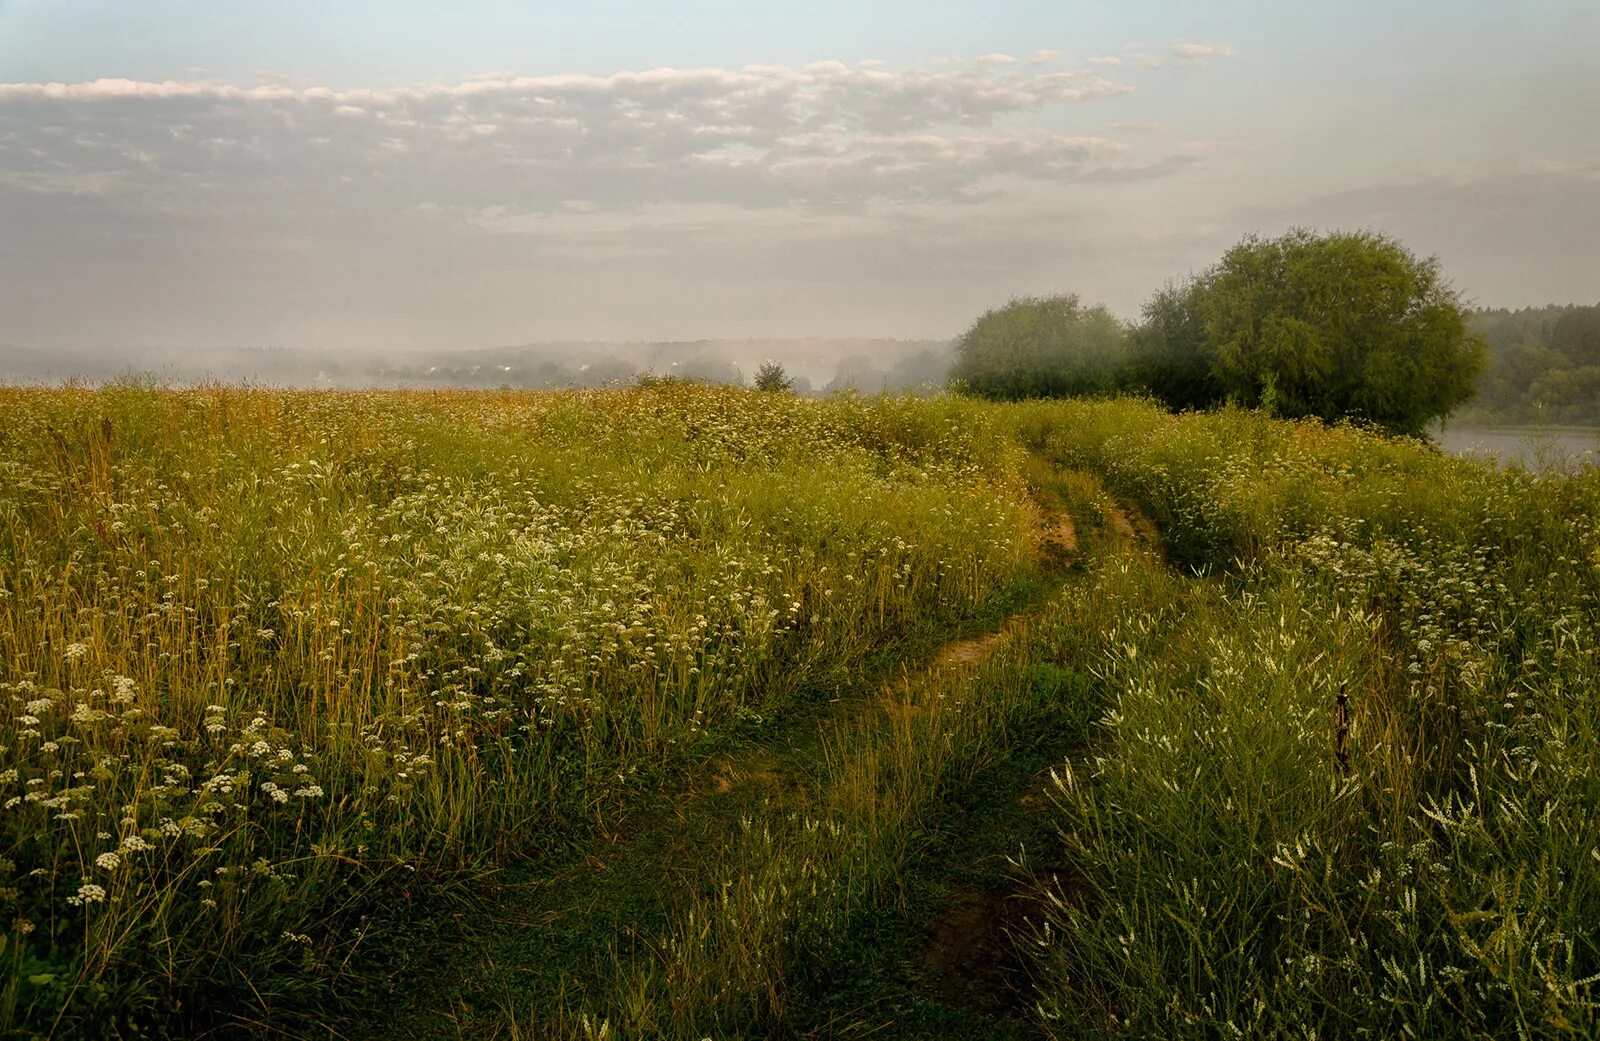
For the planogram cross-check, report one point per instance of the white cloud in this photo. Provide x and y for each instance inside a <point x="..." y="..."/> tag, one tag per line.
<point x="1199" y="52"/>
<point x="1183" y="53"/>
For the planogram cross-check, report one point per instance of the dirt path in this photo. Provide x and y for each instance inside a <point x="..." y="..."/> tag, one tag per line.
<point x="536" y="938"/>
<point x="950" y="962"/>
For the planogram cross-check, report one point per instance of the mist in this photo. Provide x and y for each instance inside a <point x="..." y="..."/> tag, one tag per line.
<point x="816" y="365"/>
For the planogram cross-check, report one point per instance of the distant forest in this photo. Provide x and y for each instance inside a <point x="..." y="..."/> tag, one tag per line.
<point x="1544" y="366"/>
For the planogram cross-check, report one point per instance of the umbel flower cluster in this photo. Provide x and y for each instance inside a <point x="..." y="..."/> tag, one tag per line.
<point x="265" y="656"/>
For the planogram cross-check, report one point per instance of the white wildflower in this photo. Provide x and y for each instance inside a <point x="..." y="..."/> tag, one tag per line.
<point x="83" y="713"/>
<point x="88" y="893"/>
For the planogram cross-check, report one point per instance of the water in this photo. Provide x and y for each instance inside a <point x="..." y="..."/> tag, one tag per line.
<point x="1541" y="448"/>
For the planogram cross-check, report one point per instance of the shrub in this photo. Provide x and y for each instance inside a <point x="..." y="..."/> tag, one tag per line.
<point x="1038" y="347"/>
<point x="771" y="377"/>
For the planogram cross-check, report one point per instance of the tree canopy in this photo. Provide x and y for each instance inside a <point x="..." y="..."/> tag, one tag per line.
<point x="1041" y="347"/>
<point x="1348" y="325"/>
<point x="1169" y="356"/>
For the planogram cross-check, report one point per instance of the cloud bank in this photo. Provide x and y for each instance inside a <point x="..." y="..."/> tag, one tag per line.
<point x="826" y="133"/>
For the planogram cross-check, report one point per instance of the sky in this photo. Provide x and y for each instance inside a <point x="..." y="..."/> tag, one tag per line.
<point x="393" y="175"/>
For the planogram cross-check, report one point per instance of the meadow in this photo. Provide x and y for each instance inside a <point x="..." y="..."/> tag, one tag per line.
<point x="681" y="711"/>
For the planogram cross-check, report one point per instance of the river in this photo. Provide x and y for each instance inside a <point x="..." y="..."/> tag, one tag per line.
<point x="1543" y="448"/>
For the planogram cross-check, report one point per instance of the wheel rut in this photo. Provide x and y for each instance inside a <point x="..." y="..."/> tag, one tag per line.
<point x="540" y="938"/>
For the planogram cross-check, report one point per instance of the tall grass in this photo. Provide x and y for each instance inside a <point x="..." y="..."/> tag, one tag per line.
<point x="1346" y="786"/>
<point x="276" y="661"/>
<point x="800" y="877"/>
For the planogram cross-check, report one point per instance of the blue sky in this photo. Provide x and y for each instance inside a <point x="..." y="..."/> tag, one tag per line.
<point x="358" y="173"/>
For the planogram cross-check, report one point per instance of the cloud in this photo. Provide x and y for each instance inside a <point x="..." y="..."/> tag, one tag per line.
<point x="826" y="130"/>
<point x="1182" y="53"/>
<point x="1199" y="52"/>
<point x="824" y="197"/>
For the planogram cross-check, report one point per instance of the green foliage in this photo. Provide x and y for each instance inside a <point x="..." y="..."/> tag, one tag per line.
<point x="1345" y="325"/>
<point x="1544" y="365"/>
<point x="1346" y="789"/>
<point x="770" y="377"/>
<point x="1339" y="326"/>
<point x="1036" y="347"/>
<point x="1170" y="357"/>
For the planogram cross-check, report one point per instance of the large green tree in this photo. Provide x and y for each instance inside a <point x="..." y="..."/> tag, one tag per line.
<point x="1344" y="325"/>
<point x="1051" y="346"/>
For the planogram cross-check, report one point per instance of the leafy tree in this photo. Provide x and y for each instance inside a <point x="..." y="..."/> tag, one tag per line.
<point x="1350" y="324"/>
<point x="771" y="377"/>
<point x="1169" y="355"/>
<point x="1035" y="347"/>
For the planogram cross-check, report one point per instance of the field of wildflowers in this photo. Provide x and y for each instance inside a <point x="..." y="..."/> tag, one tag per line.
<point x="274" y="661"/>
<point x="281" y="668"/>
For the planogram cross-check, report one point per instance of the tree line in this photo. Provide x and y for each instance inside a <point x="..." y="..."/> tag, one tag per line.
<point x="1341" y="326"/>
<point x="1544" y="365"/>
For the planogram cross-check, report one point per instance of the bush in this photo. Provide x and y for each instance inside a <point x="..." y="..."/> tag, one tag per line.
<point x="771" y="377"/>
<point x="1039" y="347"/>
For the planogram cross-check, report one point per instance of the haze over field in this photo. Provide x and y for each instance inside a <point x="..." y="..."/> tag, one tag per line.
<point x="180" y="178"/>
<point x="816" y="365"/>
